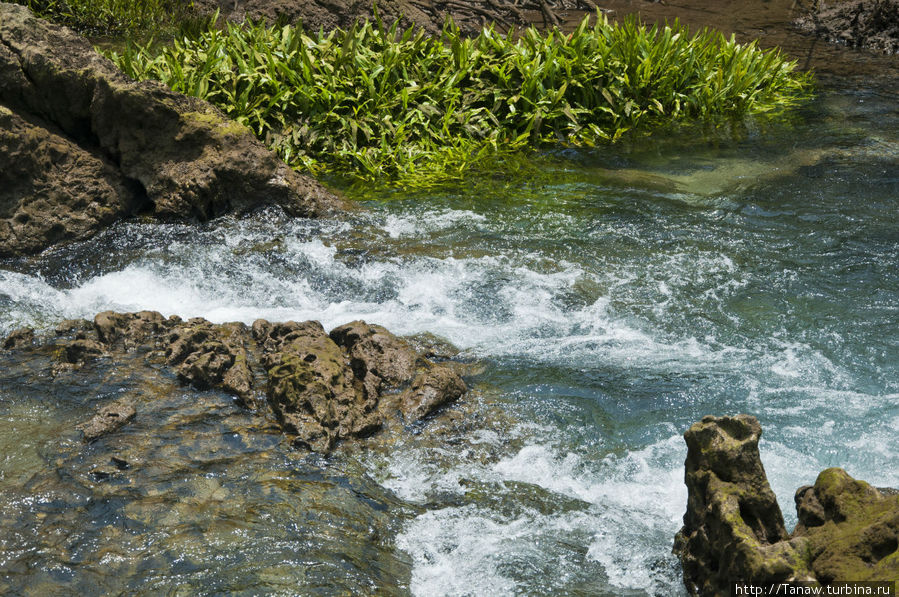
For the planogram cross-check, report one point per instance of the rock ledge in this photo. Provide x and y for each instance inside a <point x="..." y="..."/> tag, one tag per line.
<point x="320" y="388"/>
<point x="82" y="145"/>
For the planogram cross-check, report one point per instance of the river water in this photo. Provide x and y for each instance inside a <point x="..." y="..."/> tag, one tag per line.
<point x="604" y="303"/>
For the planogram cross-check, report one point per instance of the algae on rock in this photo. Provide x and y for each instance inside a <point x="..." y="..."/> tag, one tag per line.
<point x="734" y="530"/>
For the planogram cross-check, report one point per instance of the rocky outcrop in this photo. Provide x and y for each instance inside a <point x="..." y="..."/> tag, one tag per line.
<point x="852" y="528"/>
<point x="870" y="24"/>
<point x="320" y="388"/>
<point x="734" y="530"/>
<point x="81" y="146"/>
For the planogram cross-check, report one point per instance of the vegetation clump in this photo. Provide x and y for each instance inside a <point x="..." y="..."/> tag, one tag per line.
<point x="378" y="103"/>
<point x="116" y="18"/>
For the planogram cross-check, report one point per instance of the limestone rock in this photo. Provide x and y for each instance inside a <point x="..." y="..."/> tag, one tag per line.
<point x="734" y="531"/>
<point x="852" y="528"/>
<point x="432" y="389"/>
<point x="321" y="388"/>
<point x="311" y="388"/>
<point x="129" y="329"/>
<point x="19" y="338"/>
<point x="82" y="145"/>
<point x="375" y="351"/>
<point x="733" y="527"/>
<point x="108" y="419"/>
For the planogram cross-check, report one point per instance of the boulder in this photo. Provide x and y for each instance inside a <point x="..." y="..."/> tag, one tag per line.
<point x="429" y="391"/>
<point x="734" y="530"/>
<point x="311" y="390"/>
<point x="852" y="528"/>
<point x="375" y="351"/>
<point x="82" y="145"/>
<point x="19" y="338"/>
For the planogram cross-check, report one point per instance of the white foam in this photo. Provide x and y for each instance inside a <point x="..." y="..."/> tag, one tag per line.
<point x="397" y="226"/>
<point x="632" y="508"/>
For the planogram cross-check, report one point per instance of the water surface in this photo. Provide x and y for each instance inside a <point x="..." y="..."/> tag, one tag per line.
<point x="608" y="301"/>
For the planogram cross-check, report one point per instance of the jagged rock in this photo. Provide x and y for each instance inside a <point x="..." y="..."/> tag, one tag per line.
<point x="80" y="351"/>
<point x="206" y="355"/>
<point x="311" y="388"/>
<point x="321" y="388"/>
<point x="19" y="338"/>
<point x="734" y="530"/>
<point x="108" y="419"/>
<point x="733" y="527"/>
<point x="71" y="326"/>
<point x="375" y="351"/>
<point x="429" y="391"/>
<point x="81" y="146"/>
<point x="51" y="188"/>
<point x="129" y="329"/>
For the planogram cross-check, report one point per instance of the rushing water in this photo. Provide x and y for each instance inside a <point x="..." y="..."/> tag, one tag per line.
<point x="607" y="304"/>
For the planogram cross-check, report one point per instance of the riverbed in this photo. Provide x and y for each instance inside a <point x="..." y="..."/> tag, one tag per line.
<point x="602" y="302"/>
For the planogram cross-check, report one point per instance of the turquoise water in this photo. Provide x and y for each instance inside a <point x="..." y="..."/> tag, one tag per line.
<point x="605" y="303"/>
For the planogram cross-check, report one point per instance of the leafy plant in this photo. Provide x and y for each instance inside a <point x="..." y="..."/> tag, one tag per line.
<point x="380" y="103"/>
<point x="111" y="18"/>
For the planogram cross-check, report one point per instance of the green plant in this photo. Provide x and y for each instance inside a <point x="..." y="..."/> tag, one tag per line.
<point x="113" y="18"/>
<point x="378" y="103"/>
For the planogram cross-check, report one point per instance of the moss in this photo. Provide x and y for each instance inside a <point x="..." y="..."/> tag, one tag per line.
<point x="861" y="541"/>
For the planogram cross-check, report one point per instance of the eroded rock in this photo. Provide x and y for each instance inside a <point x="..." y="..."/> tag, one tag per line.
<point x="430" y="390"/>
<point x="311" y="390"/>
<point x="109" y="418"/>
<point x="321" y="388"/>
<point x="82" y="145"/>
<point x="375" y="351"/>
<point x="852" y="528"/>
<point x="19" y="338"/>
<point x="734" y="530"/>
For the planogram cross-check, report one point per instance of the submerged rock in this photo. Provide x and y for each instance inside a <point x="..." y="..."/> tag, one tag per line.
<point x="321" y="388"/>
<point x="109" y="418"/>
<point x="82" y="145"/>
<point x="734" y="530"/>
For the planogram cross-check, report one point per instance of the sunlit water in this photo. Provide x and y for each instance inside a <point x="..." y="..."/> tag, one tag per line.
<point x="609" y="302"/>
